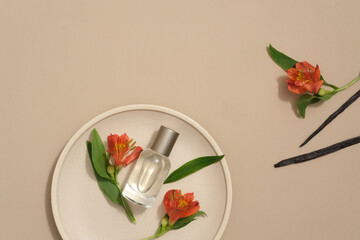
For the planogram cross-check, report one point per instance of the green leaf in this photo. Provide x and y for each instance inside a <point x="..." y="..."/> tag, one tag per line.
<point x="110" y="190"/>
<point x="284" y="61"/>
<point x="192" y="166"/>
<point x="304" y="101"/>
<point x="99" y="157"/>
<point x="108" y="187"/>
<point x="307" y="99"/>
<point x="182" y="222"/>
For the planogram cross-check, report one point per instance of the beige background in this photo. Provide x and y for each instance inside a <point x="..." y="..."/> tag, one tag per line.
<point x="64" y="62"/>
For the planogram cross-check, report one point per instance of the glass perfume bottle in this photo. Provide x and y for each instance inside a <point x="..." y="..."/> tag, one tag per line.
<point x="151" y="169"/>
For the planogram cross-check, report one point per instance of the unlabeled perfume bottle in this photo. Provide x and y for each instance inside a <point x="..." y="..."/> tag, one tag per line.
<point x="151" y="169"/>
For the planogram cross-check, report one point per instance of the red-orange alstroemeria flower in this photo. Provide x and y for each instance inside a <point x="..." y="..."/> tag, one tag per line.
<point x="120" y="146"/>
<point x="179" y="206"/>
<point x="304" y="77"/>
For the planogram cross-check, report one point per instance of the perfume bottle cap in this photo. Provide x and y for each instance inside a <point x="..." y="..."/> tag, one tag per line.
<point x="164" y="141"/>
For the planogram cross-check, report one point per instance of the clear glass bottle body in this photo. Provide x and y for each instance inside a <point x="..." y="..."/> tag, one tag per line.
<point x="147" y="177"/>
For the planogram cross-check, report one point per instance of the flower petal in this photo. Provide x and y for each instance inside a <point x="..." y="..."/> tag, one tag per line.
<point x="304" y="64"/>
<point x="188" y="197"/>
<point x="314" y="87"/>
<point x="171" y="200"/>
<point x="132" y="157"/>
<point x="112" y="139"/>
<point x="317" y="74"/>
<point x="192" y="208"/>
<point x="112" y="146"/>
<point x="123" y="139"/>
<point x="292" y="73"/>
<point x="174" y="215"/>
<point x="297" y="89"/>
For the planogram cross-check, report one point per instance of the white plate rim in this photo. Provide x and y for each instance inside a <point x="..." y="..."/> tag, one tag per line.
<point x="134" y="107"/>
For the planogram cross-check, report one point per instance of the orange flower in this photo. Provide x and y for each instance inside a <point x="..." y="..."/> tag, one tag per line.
<point x="304" y="78"/>
<point x="120" y="146"/>
<point x="179" y="206"/>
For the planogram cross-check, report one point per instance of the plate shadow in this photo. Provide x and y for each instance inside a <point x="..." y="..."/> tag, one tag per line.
<point x="49" y="213"/>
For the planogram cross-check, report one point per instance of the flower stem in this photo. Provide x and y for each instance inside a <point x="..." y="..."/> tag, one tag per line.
<point x="330" y="85"/>
<point x="337" y="89"/>
<point x="123" y="200"/>
<point x="158" y="234"/>
<point x="125" y="204"/>
<point x="348" y="85"/>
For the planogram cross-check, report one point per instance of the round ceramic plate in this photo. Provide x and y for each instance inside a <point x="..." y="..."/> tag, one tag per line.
<point x="82" y="211"/>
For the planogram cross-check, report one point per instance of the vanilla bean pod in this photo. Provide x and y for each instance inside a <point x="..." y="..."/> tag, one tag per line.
<point x="318" y="153"/>
<point x="333" y="116"/>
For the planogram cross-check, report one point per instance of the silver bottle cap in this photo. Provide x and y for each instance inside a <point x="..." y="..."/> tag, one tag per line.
<point x="164" y="141"/>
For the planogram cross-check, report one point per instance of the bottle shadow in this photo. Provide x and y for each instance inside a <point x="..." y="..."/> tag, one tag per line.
<point x="161" y="211"/>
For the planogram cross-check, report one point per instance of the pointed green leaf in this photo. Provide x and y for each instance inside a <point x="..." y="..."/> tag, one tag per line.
<point x="99" y="157"/>
<point x="307" y="99"/>
<point x="191" y="167"/>
<point x="108" y="188"/>
<point x="182" y="222"/>
<point x="284" y="61"/>
<point x="304" y="101"/>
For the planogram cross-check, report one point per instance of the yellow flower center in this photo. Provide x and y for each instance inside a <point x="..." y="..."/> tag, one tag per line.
<point x="182" y="204"/>
<point x="120" y="147"/>
<point x="301" y="76"/>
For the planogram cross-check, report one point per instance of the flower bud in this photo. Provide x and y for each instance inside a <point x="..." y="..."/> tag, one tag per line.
<point x="110" y="169"/>
<point x="322" y="92"/>
<point x="164" y="222"/>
